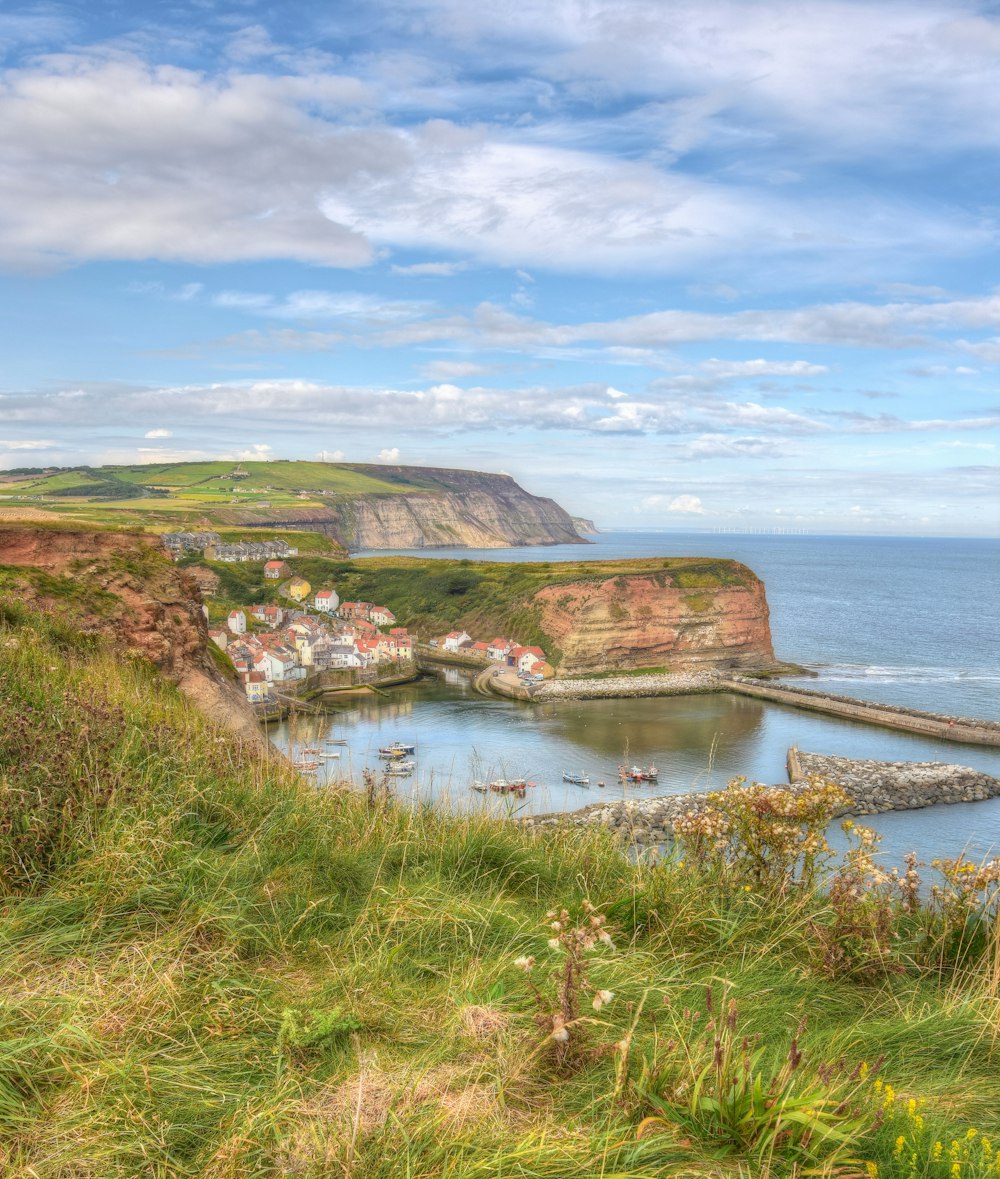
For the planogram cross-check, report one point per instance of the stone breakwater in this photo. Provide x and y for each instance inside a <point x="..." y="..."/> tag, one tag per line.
<point x="877" y="786"/>
<point x="620" y="686"/>
<point x="872" y="786"/>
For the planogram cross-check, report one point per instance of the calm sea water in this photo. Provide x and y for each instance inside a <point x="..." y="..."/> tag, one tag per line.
<point x="911" y="622"/>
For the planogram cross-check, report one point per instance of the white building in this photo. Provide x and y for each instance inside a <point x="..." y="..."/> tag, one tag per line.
<point x="237" y="622"/>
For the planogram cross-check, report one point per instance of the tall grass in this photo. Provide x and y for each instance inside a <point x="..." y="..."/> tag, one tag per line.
<point x="209" y="968"/>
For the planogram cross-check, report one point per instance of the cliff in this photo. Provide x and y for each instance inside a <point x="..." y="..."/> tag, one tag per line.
<point x="359" y="506"/>
<point x="466" y="509"/>
<point x="123" y="586"/>
<point x="685" y="620"/>
<point x="589" y="616"/>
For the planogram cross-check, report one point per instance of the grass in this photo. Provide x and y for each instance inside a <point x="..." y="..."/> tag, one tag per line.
<point x="208" y="968"/>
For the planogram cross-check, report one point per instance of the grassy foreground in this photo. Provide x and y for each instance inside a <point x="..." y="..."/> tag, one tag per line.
<point x="209" y="969"/>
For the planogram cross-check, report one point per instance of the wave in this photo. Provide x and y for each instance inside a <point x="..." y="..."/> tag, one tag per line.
<point x="889" y="674"/>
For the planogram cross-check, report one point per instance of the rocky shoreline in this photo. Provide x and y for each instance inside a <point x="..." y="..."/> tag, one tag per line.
<point x="874" y="787"/>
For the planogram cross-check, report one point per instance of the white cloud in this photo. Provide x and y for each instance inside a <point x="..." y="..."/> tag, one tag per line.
<point x="388" y="455"/>
<point x="27" y="444"/>
<point x="726" y="369"/>
<point x="159" y="432"/>
<point x="431" y="269"/>
<point x="686" y="503"/>
<point x="331" y="456"/>
<point x="452" y="370"/>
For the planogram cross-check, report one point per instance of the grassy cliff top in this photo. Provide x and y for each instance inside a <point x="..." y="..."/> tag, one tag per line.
<point x="211" y="969"/>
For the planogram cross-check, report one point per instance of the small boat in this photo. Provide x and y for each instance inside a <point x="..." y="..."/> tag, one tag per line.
<point x="479" y="787"/>
<point x="516" y="786"/>
<point x="638" y="773"/>
<point x="330" y="754"/>
<point x="576" y="779"/>
<point x="390" y="751"/>
<point x="399" y="769"/>
<point x="309" y="767"/>
<point x="601" y="784"/>
<point x="312" y="750"/>
<point x="336" y="741"/>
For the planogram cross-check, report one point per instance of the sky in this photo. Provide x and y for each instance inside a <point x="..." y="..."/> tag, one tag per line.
<point x="685" y="265"/>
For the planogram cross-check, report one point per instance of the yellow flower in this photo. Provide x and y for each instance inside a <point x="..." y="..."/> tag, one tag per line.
<point x="747" y="888"/>
<point x="956" y="1170"/>
<point x="937" y="1150"/>
<point x="900" y="1143"/>
<point x="871" y="1170"/>
<point x="863" y="1070"/>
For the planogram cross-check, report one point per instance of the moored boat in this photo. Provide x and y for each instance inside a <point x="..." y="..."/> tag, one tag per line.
<point x="576" y="779"/>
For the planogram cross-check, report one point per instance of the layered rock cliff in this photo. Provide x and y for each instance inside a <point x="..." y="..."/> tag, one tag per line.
<point x="693" y="615"/>
<point x="469" y="509"/>
<point x="123" y="585"/>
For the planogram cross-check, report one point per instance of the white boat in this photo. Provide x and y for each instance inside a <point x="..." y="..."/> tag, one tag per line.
<point x="576" y="779"/>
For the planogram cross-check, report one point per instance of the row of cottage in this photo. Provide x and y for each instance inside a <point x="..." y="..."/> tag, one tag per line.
<point x="297" y="643"/>
<point x="527" y="661"/>
<point x="210" y="543"/>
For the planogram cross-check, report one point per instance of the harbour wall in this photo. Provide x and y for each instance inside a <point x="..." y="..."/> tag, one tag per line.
<point x="889" y="716"/>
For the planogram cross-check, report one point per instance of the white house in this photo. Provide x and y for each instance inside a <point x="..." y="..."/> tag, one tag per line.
<point x="454" y="639"/>
<point x="499" y="649"/>
<point x="340" y="655"/>
<point x="524" y="658"/>
<point x="327" y="600"/>
<point x="381" y="616"/>
<point x="237" y="622"/>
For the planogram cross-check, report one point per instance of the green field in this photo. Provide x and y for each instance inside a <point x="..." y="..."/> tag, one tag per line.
<point x="209" y="969"/>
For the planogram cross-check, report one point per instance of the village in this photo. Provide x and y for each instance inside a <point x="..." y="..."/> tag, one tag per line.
<point x="277" y="650"/>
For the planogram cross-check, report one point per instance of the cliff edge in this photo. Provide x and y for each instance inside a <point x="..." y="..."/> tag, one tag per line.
<point x="702" y="615"/>
<point x="122" y="585"/>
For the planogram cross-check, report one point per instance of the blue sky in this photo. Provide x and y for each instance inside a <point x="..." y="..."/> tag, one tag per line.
<point x="678" y="265"/>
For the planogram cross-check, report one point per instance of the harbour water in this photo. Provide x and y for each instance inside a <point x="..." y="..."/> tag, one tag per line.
<point x="906" y="621"/>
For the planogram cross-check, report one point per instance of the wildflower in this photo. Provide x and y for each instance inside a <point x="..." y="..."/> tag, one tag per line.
<point x="956" y="1170"/>
<point x="560" y="1033"/>
<point x="557" y="926"/>
<point x="971" y="1132"/>
<point x="871" y="1170"/>
<point x="900" y="1143"/>
<point x="605" y="937"/>
<point x="747" y="888"/>
<point x="602" y="998"/>
<point x="554" y="943"/>
<point x="863" y="1070"/>
<point x="937" y="1150"/>
<point x="525" y="962"/>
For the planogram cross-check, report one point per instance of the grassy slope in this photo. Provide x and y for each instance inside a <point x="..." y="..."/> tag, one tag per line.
<point x="486" y="598"/>
<point x="211" y="970"/>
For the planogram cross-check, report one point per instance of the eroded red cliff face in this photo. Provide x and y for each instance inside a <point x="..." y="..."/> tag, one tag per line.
<point x="139" y="599"/>
<point x="648" y="620"/>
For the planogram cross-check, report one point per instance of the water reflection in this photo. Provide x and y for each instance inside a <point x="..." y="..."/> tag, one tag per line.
<point x="643" y="729"/>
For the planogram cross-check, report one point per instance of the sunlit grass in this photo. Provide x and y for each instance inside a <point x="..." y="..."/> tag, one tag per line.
<point x="208" y="967"/>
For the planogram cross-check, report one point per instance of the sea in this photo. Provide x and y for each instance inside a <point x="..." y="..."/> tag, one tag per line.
<point x="902" y="620"/>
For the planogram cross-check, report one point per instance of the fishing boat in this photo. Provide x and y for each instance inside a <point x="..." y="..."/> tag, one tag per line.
<point x="388" y="752"/>
<point x="516" y="786"/>
<point x="336" y="741"/>
<point x="311" y="750"/>
<point x="479" y="787"/>
<point x="330" y="754"/>
<point x="638" y="773"/>
<point x="576" y="779"/>
<point x="308" y="767"/>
